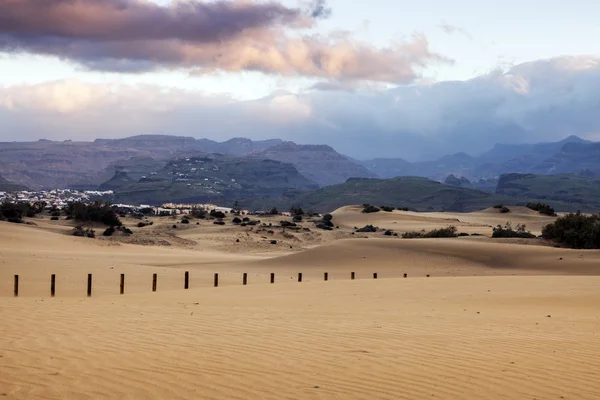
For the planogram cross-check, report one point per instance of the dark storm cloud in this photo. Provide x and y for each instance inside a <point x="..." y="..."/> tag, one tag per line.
<point x="138" y="35"/>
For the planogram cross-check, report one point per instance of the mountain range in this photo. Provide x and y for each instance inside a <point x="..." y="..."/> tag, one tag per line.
<point x="158" y="168"/>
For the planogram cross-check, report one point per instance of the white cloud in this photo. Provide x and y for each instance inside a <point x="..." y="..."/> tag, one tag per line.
<point x="539" y="101"/>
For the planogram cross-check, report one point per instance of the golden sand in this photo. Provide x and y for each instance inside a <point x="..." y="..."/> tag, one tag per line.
<point x="495" y="320"/>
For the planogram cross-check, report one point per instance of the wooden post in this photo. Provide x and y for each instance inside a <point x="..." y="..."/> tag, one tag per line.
<point x="122" y="285"/>
<point x="326" y="276"/>
<point x="216" y="280"/>
<point x="245" y="279"/>
<point x="272" y="277"/>
<point x="299" y="276"/>
<point x="186" y="283"/>
<point x="352" y="275"/>
<point x="374" y="275"/>
<point x="154" y="276"/>
<point x="89" y="285"/>
<point x="53" y="285"/>
<point x="428" y="275"/>
<point x="406" y="275"/>
<point x="16" y="285"/>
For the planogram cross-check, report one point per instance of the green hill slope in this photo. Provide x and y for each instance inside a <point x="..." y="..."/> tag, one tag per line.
<point x="215" y="178"/>
<point x="416" y="193"/>
<point x="579" y="190"/>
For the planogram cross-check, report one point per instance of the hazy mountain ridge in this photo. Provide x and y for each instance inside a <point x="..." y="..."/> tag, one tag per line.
<point x="50" y="164"/>
<point x="319" y="163"/>
<point x="572" y="154"/>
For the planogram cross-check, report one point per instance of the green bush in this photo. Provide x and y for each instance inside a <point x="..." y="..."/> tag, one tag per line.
<point x="507" y="231"/>
<point x="577" y="231"/>
<point x="327" y="217"/>
<point x="14" y="212"/>
<point x="94" y="212"/>
<point x="367" y="229"/>
<point x="387" y="209"/>
<point x="448" y="232"/>
<point x="542" y="208"/>
<point x="504" y="210"/>
<point x="367" y="208"/>
<point x="217" y="214"/>
<point x="198" y="213"/>
<point x="296" y="211"/>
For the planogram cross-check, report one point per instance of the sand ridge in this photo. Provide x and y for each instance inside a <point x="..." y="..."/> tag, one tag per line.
<point x="450" y="338"/>
<point x="496" y="318"/>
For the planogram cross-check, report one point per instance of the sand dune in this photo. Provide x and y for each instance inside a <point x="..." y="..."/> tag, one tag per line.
<point x="477" y="328"/>
<point x="438" y="257"/>
<point x="477" y="222"/>
<point x="450" y="338"/>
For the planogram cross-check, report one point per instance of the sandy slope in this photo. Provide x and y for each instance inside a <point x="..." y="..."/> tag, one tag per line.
<point x="449" y="338"/>
<point x="477" y="222"/>
<point x="470" y="331"/>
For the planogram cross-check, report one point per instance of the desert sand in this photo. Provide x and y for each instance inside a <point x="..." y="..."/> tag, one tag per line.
<point x="495" y="319"/>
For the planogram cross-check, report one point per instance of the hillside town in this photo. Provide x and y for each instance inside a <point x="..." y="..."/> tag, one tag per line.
<point x="60" y="198"/>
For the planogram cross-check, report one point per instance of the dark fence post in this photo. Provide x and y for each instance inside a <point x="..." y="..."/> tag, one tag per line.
<point x="216" y="280"/>
<point x="374" y="275"/>
<point x="272" y="277"/>
<point x="154" y="277"/>
<point x="428" y="275"/>
<point x="186" y="283"/>
<point x="53" y="285"/>
<point x="122" y="285"/>
<point x="406" y="275"/>
<point x="89" y="285"/>
<point x="352" y="275"/>
<point x="326" y="276"/>
<point x="16" y="285"/>
<point x="245" y="279"/>
<point x="299" y="276"/>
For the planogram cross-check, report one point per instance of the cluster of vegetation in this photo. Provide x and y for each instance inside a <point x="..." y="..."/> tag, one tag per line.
<point x="448" y="232"/>
<point x="296" y="211"/>
<point x="81" y="232"/>
<point x="507" y="231"/>
<point x="111" y="230"/>
<point x="387" y="209"/>
<point x="367" y="209"/>
<point x="502" y="208"/>
<point x="217" y="214"/>
<point x="326" y="223"/>
<point x="15" y="212"/>
<point x="199" y="213"/>
<point x="542" y="208"/>
<point x="367" y="229"/>
<point x="576" y="230"/>
<point x="94" y="212"/>
<point x="144" y="224"/>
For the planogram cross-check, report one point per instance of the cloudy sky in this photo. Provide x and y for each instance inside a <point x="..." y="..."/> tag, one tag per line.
<point x="376" y="78"/>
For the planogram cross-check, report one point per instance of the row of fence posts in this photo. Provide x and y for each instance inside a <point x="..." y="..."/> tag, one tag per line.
<point x="186" y="283"/>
